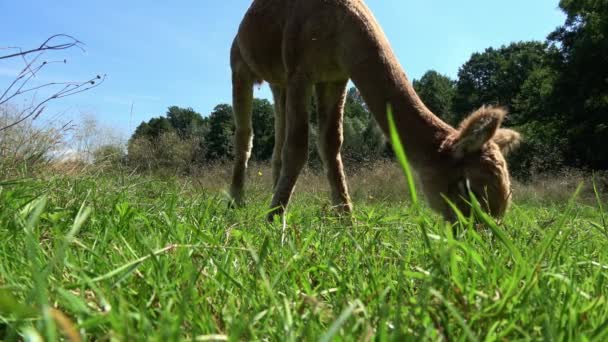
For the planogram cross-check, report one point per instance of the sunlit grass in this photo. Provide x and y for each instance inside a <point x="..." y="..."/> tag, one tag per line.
<point x="132" y="257"/>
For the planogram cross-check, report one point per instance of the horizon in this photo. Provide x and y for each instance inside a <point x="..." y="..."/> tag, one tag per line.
<point x="157" y="57"/>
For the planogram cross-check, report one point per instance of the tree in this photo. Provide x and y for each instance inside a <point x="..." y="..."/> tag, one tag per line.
<point x="363" y="138"/>
<point x="581" y="88"/>
<point x="263" y="129"/>
<point x="521" y="77"/>
<point x="437" y="92"/>
<point x="186" y="122"/>
<point x="218" y="140"/>
<point x="152" y="129"/>
<point x="174" y="141"/>
<point x="354" y="105"/>
<point x="354" y="145"/>
<point x="496" y="76"/>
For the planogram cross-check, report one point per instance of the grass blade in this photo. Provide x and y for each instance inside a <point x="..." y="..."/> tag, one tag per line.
<point x="130" y="266"/>
<point x="339" y="322"/>
<point x="401" y="156"/>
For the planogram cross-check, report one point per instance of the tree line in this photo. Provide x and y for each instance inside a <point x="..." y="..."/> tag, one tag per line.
<point x="183" y="138"/>
<point x="555" y="90"/>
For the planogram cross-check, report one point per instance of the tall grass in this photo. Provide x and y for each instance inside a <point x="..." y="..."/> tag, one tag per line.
<point x="123" y="256"/>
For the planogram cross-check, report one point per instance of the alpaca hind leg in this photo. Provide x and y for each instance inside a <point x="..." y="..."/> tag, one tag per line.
<point x="330" y="102"/>
<point x="295" y="148"/>
<point x="242" y="99"/>
<point x="279" y="96"/>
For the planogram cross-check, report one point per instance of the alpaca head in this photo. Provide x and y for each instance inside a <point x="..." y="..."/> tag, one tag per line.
<point x="475" y="164"/>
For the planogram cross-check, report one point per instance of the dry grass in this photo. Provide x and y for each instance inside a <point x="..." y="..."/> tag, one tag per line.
<point x="559" y="186"/>
<point x="377" y="182"/>
<point x="381" y="181"/>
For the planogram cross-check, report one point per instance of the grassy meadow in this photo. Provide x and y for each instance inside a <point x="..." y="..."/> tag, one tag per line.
<point x="109" y="255"/>
<point x="105" y="237"/>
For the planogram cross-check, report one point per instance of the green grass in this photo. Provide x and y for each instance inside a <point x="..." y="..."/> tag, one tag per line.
<point x="134" y="258"/>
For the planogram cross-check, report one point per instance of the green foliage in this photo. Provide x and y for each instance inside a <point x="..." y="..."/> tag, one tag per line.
<point x="556" y="91"/>
<point x="496" y="76"/>
<point x="354" y="106"/>
<point x="184" y="138"/>
<point x="263" y="129"/>
<point x="437" y="91"/>
<point x="152" y="129"/>
<point x="186" y="122"/>
<point x="521" y="77"/>
<point x="581" y="89"/>
<point x="218" y="140"/>
<point x="535" y="99"/>
<point x="174" y="142"/>
<point x="363" y="139"/>
<point x="541" y="152"/>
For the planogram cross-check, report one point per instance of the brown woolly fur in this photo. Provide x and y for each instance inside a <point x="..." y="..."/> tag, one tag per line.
<point x="307" y="47"/>
<point x="507" y="140"/>
<point x="484" y="115"/>
<point x="478" y="128"/>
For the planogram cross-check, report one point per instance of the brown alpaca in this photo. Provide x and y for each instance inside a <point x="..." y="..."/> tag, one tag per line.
<point x="305" y="46"/>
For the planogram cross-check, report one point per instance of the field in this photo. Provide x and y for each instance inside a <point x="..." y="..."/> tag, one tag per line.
<point x="119" y="256"/>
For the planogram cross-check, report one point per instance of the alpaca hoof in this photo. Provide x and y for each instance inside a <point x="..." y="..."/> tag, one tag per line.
<point x="345" y="209"/>
<point x="276" y="212"/>
<point x="235" y="203"/>
<point x="232" y="204"/>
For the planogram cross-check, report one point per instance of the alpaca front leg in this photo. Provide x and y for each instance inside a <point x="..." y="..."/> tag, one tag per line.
<point x="330" y="101"/>
<point x="295" y="149"/>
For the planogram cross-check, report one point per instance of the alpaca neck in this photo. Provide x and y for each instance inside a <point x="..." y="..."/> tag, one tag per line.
<point x="374" y="69"/>
<point x="382" y="81"/>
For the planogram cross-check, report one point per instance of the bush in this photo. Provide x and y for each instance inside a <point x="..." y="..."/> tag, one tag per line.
<point x="541" y="151"/>
<point x="111" y="155"/>
<point x="26" y="147"/>
<point x="168" y="152"/>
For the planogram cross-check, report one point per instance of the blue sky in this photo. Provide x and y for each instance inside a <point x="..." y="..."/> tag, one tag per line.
<point x="158" y="54"/>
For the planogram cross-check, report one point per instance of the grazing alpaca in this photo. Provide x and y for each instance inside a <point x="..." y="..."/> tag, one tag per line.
<point x="305" y="46"/>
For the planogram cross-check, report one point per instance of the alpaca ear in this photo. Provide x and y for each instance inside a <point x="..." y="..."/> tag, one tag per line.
<point x="507" y="139"/>
<point x="476" y="130"/>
